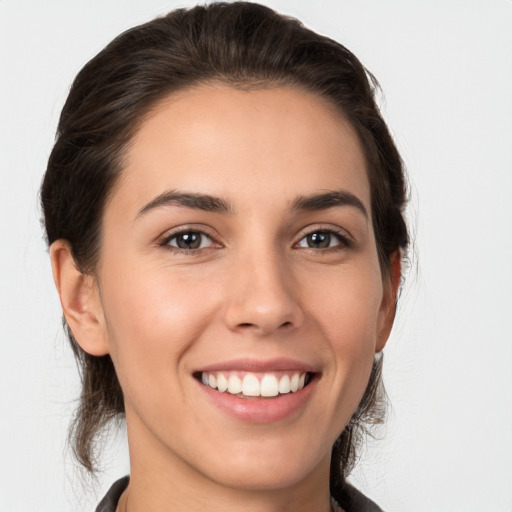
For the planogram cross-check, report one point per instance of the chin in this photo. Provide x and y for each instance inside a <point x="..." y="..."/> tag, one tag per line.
<point x="262" y="477"/>
<point x="261" y="467"/>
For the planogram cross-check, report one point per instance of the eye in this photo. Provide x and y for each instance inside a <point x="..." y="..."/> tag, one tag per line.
<point x="323" y="239"/>
<point x="188" y="240"/>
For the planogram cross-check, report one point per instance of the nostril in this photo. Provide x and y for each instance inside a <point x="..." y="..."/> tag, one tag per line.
<point x="247" y="325"/>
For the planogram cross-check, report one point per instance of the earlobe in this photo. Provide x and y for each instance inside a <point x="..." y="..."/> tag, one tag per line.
<point x="388" y="306"/>
<point x="79" y="297"/>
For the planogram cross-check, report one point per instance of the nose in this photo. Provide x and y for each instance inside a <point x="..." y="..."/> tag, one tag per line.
<point x="262" y="297"/>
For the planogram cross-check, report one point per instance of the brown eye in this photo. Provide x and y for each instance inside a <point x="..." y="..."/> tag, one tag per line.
<point x="189" y="240"/>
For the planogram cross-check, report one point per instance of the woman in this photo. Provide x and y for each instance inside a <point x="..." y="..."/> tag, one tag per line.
<point x="224" y="207"/>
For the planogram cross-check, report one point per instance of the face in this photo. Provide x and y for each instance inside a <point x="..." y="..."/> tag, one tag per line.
<point x="240" y="291"/>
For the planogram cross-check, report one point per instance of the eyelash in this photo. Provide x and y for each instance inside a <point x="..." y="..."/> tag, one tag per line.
<point x="165" y="241"/>
<point x="344" y="242"/>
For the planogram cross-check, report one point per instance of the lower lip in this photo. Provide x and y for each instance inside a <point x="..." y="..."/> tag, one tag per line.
<point x="260" y="409"/>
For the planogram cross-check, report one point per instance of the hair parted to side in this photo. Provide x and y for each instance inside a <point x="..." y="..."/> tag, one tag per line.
<point x="238" y="44"/>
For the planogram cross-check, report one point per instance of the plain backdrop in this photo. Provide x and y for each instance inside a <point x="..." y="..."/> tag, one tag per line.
<point x="445" y="68"/>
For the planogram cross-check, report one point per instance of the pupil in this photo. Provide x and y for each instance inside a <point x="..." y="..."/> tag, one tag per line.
<point x="320" y="240"/>
<point x="189" y="240"/>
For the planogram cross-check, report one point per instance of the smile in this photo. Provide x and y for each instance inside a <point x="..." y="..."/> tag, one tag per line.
<point x="259" y="391"/>
<point x="252" y="384"/>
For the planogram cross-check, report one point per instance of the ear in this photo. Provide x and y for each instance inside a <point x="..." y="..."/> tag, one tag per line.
<point x="389" y="298"/>
<point x="80" y="300"/>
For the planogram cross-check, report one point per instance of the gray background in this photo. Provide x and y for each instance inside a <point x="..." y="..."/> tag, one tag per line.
<point x="445" y="67"/>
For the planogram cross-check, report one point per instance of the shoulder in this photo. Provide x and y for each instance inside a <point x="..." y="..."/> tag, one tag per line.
<point x="109" y="502"/>
<point x="352" y="500"/>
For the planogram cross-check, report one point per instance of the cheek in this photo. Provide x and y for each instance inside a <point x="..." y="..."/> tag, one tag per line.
<point x="346" y="303"/>
<point x="347" y="313"/>
<point x="152" y="320"/>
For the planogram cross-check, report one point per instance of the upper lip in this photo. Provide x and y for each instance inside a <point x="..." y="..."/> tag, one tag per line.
<point x="259" y="365"/>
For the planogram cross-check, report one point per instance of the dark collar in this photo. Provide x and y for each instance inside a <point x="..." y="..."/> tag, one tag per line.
<point x="109" y="502"/>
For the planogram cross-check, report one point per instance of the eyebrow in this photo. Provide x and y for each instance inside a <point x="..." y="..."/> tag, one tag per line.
<point x="208" y="203"/>
<point x="196" y="201"/>
<point x="328" y="200"/>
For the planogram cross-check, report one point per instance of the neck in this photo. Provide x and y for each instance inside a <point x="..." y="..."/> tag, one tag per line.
<point x="160" y="481"/>
<point x="160" y="496"/>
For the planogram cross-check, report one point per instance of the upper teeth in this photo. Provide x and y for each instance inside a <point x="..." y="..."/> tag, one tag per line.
<point x="252" y="384"/>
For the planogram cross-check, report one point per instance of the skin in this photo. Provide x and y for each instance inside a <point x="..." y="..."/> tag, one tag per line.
<point x="255" y="289"/>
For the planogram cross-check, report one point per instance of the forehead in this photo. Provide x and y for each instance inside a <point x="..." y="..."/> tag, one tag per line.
<point x="242" y="145"/>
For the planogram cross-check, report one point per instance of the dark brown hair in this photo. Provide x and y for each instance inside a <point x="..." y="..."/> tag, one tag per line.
<point x="239" y="44"/>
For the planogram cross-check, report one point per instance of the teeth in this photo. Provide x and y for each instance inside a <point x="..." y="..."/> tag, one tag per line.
<point x="269" y="386"/>
<point x="294" y="382"/>
<point x="222" y="382"/>
<point x="251" y="384"/>
<point x="234" y="385"/>
<point x="284" y="384"/>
